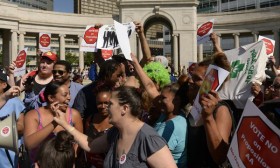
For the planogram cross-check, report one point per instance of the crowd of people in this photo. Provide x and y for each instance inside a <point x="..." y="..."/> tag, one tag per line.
<point x="133" y="114"/>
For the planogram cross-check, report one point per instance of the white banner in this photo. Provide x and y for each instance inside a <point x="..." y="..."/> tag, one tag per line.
<point x="45" y="42"/>
<point x="213" y="80"/>
<point x="89" y="41"/>
<point x="247" y="65"/>
<point x="203" y="31"/>
<point x="21" y="63"/>
<point x="255" y="142"/>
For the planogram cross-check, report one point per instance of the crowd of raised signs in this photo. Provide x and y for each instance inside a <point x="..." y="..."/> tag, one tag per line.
<point x="133" y="113"/>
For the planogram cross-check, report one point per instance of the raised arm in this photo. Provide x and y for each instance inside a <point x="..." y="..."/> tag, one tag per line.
<point x="217" y="128"/>
<point x="146" y="81"/>
<point x="144" y="44"/>
<point x="14" y="91"/>
<point x="216" y="45"/>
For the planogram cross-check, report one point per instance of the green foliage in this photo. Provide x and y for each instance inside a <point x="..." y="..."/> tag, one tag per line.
<point x="88" y="58"/>
<point x="72" y="58"/>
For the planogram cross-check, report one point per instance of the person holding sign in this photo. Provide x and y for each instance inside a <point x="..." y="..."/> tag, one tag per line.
<point x="208" y="142"/>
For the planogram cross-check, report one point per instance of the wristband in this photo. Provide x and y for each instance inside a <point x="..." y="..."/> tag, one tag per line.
<point x="71" y="129"/>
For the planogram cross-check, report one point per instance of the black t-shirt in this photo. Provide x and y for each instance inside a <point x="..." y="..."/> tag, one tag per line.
<point x="38" y="87"/>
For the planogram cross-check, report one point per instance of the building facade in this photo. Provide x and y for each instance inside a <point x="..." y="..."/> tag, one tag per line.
<point x="96" y="7"/>
<point x="32" y="4"/>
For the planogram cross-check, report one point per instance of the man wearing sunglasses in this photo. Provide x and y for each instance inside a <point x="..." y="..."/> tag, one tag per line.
<point x="62" y="73"/>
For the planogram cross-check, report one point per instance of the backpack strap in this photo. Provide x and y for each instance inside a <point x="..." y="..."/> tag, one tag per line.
<point x="9" y="157"/>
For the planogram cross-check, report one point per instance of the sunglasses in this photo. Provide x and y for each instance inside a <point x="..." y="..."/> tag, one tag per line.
<point x="60" y="72"/>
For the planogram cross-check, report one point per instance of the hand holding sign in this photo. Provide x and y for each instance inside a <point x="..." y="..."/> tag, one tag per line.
<point x="203" y="31"/>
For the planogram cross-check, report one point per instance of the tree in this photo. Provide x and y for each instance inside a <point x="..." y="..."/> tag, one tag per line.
<point x="72" y="59"/>
<point x="88" y="58"/>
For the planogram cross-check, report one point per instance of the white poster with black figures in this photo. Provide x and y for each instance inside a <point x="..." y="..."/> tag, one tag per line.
<point x="247" y="66"/>
<point x="107" y="37"/>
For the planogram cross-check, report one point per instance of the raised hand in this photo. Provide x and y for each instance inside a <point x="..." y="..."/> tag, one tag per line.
<point x="14" y="91"/>
<point x="139" y="27"/>
<point x="209" y="102"/>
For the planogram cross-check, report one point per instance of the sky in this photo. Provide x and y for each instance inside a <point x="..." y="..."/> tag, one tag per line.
<point x="63" y="6"/>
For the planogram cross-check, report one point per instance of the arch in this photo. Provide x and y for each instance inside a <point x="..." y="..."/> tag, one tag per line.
<point x="155" y="20"/>
<point x="162" y="15"/>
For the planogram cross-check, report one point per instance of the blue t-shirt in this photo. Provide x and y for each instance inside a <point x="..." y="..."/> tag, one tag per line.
<point x="16" y="105"/>
<point x="174" y="131"/>
<point x="74" y="89"/>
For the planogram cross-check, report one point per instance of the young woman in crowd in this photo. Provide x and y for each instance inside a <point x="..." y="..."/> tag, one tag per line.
<point x="57" y="152"/>
<point x="98" y="124"/>
<point x="39" y="123"/>
<point x="169" y="120"/>
<point x="131" y="142"/>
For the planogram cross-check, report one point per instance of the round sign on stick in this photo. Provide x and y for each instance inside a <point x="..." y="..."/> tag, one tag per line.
<point x="21" y="59"/>
<point x="269" y="46"/>
<point x="91" y="35"/>
<point x="204" y="29"/>
<point x="45" y="40"/>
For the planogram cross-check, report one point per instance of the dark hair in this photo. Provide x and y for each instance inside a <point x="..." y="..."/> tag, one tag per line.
<point x="107" y="69"/>
<point x="219" y="59"/>
<point x="51" y="89"/>
<point x="67" y="65"/>
<point x="57" y="152"/>
<point x="129" y="95"/>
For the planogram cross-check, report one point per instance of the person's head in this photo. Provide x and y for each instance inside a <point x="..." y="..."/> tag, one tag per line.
<point x="111" y="73"/>
<point x="125" y="102"/>
<point x="199" y="72"/>
<point x="78" y="79"/>
<point x="57" y="152"/>
<point x="61" y="71"/>
<point x="275" y="88"/>
<point x="46" y="63"/>
<point x="57" y="92"/>
<point x="157" y="72"/>
<point x="102" y="100"/>
<point x="169" y="99"/>
<point x="4" y="86"/>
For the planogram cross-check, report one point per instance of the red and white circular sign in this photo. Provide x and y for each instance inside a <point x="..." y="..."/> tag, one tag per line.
<point x="269" y="46"/>
<point x="45" y="40"/>
<point x="91" y="35"/>
<point x="205" y="28"/>
<point x="5" y="131"/>
<point x="106" y="54"/>
<point x="21" y="59"/>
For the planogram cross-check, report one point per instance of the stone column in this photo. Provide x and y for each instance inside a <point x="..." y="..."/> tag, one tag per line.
<point x="14" y="45"/>
<point x="200" y="52"/>
<point x="276" y="47"/>
<point x="21" y="40"/>
<point x="62" y="46"/>
<point x="255" y="35"/>
<point x="236" y="40"/>
<point x="81" y="54"/>
<point x="175" y="52"/>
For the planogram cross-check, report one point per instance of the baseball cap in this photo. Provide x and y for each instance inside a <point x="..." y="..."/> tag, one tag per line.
<point x="50" y="55"/>
<point x="4" y="78"/>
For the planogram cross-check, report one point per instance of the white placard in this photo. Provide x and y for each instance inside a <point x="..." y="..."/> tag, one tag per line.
<point x="20" y="62"/>
<point x="255" y="142"/>
<point x="213" y="80"/>
<point x="204" y="30"/>
<point x="89" y="41"/>
<point x="269" y="45"/>
<point x="45" y="42"/>
<point x="122" y="35"/>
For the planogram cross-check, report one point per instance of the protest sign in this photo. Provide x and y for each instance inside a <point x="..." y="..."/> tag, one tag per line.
<point x="45" y="42"/>
<point x="89" y="39"/>
<point x="123" y="39"/>
<point x="20" y="63"/>
<point x="256" y="141"/>
<point x="213" y="80"/>
<point x="203" y="31"/>
<point x="247" y="66"/>
<point x="106" y="54"/>
<point x="107" y="37"/>
<point x="269" y="45"/>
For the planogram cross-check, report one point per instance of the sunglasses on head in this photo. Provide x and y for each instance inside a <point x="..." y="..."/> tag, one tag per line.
<point x="60" y="72"/>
